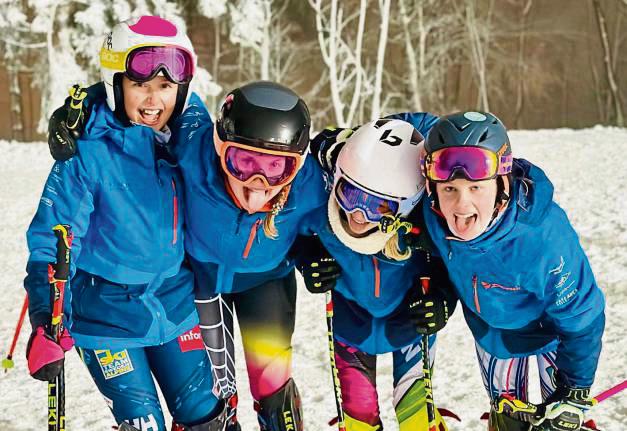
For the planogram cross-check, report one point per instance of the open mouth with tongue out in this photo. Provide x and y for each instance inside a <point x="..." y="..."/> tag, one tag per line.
<point x="464" y="223"/>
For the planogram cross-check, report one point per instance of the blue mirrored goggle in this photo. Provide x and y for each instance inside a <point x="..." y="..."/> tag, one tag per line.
<point x="352" y="198"/>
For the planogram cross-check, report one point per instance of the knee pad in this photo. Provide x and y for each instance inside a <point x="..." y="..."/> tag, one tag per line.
<point x="281" y="411"/>
<point x="353" y="424"/>
<point x="503" y="422"/>
<point x="218" y="423"/>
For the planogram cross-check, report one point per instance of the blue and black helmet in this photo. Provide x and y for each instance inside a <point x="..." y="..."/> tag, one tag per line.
<point x="480" y="129"/>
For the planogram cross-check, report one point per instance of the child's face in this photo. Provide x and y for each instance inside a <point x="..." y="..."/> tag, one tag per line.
<point x="150" y="103"/>
<point x="358" y="224"/>
<point x="254" y="196"/>
<point x="467" y="206"/>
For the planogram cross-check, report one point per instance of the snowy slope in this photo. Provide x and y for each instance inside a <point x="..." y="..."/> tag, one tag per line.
<point x="588" y="170"/>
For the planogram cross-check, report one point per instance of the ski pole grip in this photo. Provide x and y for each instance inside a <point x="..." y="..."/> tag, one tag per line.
<point x="64" y="235"/>
<point x="75" y="110"/>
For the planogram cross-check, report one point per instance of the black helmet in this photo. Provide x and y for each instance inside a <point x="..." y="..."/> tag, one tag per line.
<point x="265" y="115"/>
<point x="479" y="129"/>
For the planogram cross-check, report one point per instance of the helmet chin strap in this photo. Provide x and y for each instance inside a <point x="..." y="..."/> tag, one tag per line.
<point x="502" y="199"/>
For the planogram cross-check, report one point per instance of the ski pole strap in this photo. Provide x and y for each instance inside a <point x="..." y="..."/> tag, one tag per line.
<point x="390" y="224"/>
<point x="75" y="110"/>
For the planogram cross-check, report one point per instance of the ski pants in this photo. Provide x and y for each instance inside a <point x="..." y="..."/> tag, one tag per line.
<point x="510" y="376"/>
<point x="266" y="315"/>
<point x="357" y="374"/>
<point x="180" y="367"/>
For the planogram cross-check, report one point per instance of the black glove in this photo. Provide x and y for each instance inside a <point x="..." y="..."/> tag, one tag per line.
<point x="428" y="312"/>
<point x="320" y="271"/>
<point x="67" y="124"/>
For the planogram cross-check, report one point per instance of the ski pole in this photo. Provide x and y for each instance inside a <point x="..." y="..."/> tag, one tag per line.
<point x="58" y="274"/>
<point x="8" y="361"/>
<point x="426" y="366"/>
<point x="608" y="393"/>
<point x="341" y="426"/>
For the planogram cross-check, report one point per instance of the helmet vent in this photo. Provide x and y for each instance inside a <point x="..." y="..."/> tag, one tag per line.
<point x="483" y="136"/>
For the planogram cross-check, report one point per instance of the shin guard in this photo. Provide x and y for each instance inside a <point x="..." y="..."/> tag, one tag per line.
<point x="411" y="411"/>
<point x="281" y="411"/>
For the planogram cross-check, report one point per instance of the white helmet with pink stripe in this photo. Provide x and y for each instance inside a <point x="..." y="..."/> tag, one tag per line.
<point x="140" y="48"/>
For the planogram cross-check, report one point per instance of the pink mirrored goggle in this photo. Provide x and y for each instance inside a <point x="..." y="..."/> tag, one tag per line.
<point x="144" y="63"/>
<point x="473" y="163"/>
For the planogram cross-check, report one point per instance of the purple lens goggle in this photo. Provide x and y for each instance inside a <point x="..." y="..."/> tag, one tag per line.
<point x="473" y="163"/>
<point x="144" y="63"/>
<point x="351" y="198"/>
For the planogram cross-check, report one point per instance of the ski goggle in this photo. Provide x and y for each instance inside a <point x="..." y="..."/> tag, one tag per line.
<point x="143" y="63"/>
<point x="245" y="164"/>
<point x="351" y="198"/>
<point x="474" y="163"/>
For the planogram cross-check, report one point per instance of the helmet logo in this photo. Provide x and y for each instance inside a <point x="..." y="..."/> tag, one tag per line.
<point x="475" y="116"/>
<point x="390" y="140"/>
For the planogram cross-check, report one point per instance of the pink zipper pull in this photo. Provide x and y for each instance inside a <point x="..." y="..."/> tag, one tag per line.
<point x="474" y="288"/>
<point x="377" y="278"/>
<point x="251" y="238"/>
<point x="175" y="218"/>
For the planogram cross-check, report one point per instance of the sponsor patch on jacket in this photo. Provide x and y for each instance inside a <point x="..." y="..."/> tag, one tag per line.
<point x="114" y="363"/>
<point x="191" y="340"/>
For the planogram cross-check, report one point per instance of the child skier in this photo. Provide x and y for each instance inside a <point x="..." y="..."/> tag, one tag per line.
<point x="131" y="300"/>
<point x="377" y="305"/>
<point x="524" y="281"/>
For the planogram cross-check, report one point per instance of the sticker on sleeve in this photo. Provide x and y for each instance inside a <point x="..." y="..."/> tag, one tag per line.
<point x="191" y="340"/>
<point x="114" y="363"/>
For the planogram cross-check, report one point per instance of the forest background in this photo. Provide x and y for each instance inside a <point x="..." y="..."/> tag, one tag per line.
<point x="535" y="63"/>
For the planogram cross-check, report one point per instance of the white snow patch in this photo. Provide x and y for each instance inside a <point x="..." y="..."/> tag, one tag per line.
<point x="587" y="168"/>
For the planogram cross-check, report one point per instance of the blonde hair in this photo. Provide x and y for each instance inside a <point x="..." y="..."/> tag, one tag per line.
<point x="393" y="250"/>
<point x="269" y="228"/>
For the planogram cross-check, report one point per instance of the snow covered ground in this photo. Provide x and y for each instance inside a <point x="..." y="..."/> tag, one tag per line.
<point x="588" y="170"/>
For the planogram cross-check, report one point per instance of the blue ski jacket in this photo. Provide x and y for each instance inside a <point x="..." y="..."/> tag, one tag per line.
<point x="123" y="205"/>
<point x="526" y="285"/>
<point x="229" y="248"/>
<point x="377" y="284"/>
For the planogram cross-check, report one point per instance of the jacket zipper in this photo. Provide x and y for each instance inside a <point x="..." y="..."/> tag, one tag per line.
<point x="175" y="218"/>
<point x="251" y="238"/>
<point x="474" y="288"/>
<point x="377" y="278"/>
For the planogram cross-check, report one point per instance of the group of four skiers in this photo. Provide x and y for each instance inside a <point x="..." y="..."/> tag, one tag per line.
<point x="178" y="222"/>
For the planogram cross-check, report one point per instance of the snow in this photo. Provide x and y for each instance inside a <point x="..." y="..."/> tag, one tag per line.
<point x="587" y="168"/>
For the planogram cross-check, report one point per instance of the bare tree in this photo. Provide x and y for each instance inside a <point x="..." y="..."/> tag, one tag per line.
<point x="479" y="28"/>
<point x="384" y="13"/>
<point x="341" y="51"/>
<point x="607" y="59"/>
<point x="522" y="39"/>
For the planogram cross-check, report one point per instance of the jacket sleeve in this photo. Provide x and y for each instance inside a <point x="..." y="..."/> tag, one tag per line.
<point x="66" y="199"/>
<point x="575" y="307"/>
<point x="422" y="121"/>
<point x="194" y="123"/>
